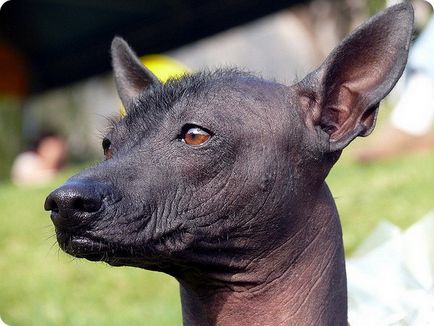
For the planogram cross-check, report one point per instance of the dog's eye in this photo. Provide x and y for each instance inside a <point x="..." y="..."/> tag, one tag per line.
<point x="195" y="135"/>
<point x="107" y="148"/>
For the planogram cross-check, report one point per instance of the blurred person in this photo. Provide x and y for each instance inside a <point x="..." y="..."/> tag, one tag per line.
<point x="412" y="118"/>
<point x="41" y="164"/>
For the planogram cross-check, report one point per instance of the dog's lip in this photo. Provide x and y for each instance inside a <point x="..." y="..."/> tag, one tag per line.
<point x="85" y="247"/>
<point x="91" y="248"/>
<point x="81" y="242"/>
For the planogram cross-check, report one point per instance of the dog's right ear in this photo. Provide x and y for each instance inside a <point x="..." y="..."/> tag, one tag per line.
<point x="131" y="77"/>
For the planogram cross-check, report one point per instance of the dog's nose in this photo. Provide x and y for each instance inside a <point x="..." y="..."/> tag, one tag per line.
<point x="73" y="203"/>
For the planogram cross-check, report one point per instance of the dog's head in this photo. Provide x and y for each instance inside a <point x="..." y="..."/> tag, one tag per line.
<point x="208" y="170"/>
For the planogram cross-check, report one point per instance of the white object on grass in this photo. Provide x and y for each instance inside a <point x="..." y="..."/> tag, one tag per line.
<point x="391" y="277"/>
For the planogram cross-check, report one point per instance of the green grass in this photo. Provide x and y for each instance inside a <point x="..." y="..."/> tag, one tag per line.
<point x="39" y="285"/>
<point x="400" y="191"/>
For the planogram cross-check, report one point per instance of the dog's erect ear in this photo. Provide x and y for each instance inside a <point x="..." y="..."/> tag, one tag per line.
<point x="131" y="76"/>
<point x="341" y="97"/>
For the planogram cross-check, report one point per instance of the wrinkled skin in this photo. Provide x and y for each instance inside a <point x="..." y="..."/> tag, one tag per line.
<point x="196" y="206"/>
<point x="248" y="206"/>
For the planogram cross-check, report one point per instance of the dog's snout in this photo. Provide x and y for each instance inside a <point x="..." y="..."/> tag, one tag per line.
<point x="72" y="203"/>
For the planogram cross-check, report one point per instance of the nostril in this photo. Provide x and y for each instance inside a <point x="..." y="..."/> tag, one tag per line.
<point x="51" y="205"/>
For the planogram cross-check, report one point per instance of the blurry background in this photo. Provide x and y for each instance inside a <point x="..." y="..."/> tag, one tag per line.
<point x="56" y="85"/>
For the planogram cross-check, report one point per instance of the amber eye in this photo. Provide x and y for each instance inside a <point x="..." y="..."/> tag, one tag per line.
<point x="107" y="148"/>
<point x="195" y="136"/>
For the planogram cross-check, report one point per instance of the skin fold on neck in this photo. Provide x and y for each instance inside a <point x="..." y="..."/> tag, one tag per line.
<point x="302" y="282"/>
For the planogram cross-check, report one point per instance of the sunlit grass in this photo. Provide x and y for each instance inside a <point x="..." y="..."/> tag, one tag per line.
<point x="400" y="191"/>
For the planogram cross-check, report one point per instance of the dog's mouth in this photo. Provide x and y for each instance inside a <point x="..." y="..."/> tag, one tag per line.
<point x="94" y="249"/>
<point x="85" y="247"/>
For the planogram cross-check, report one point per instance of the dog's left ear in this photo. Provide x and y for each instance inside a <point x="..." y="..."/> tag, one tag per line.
<point x="131" y="77"/>
<point x="340" y="99"/>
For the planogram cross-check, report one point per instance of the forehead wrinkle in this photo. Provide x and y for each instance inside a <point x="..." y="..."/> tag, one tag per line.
<point x="159" y="100"/>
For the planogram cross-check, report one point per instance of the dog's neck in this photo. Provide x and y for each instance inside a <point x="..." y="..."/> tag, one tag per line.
<point x="302" y="282"/>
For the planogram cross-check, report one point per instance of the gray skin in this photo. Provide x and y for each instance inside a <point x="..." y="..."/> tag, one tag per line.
<point x="245" y="221"/>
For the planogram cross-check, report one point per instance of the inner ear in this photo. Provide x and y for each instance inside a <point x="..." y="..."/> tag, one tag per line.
<point x="350" y="109"/>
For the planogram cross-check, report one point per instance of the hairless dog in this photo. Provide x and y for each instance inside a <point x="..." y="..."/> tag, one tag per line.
<point x="218" y="179"/>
